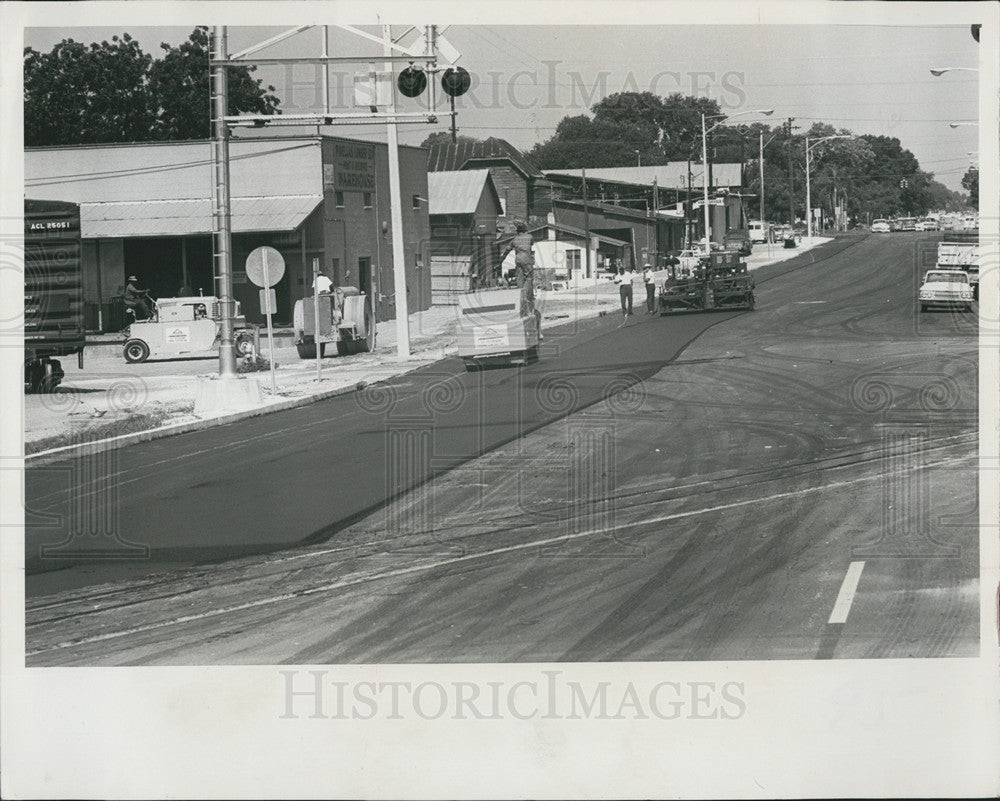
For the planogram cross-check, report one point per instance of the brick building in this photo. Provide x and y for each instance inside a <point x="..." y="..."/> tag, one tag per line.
<point x="522" y="188"/>
<point x="146" y="209"/>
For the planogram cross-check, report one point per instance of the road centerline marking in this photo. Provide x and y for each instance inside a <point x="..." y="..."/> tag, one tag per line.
<point x="845" y="598"/>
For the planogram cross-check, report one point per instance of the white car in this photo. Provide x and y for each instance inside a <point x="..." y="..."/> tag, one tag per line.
<point x="946" y="288"/>
<point x="881" y="227"/>
<point x="927" y="225"/>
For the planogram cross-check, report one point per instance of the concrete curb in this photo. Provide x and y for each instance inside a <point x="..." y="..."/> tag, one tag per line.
<point x="124" y="440"/>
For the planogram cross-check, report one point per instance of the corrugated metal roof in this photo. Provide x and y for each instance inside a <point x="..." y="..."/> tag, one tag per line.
<point x="672" y="175"/>
<point x="185" y="217"/>
<point x="456" y="192"/>
<point x="448" y="156"/>
<point x="172" y="171"/>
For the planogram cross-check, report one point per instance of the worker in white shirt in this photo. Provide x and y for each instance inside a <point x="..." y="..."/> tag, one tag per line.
<point x="647" y="279"/>
<point x="322" y="284"/>
<point x="625" y="279"/>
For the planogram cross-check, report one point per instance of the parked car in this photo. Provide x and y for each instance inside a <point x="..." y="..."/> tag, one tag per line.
<point x="946" y="288"/>
<point x="880" y="227"/>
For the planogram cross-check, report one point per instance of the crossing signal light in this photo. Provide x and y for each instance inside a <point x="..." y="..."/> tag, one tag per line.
<point x="411" y="82"/>
<point x="456" y="81"/>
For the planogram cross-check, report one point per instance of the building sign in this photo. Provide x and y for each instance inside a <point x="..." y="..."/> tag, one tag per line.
<point x="352" y="170"/>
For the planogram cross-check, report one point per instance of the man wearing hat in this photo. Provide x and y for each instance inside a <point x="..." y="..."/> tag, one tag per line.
<point x="135" y="299"/>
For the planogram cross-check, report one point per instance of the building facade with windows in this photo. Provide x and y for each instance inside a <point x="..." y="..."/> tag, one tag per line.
<point x="146" y="209"/>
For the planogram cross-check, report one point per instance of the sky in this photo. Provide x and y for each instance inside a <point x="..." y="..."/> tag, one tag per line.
<point x="867" y="79"/>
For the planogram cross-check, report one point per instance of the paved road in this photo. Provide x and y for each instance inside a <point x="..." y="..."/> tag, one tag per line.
<point x="800" y="482"/>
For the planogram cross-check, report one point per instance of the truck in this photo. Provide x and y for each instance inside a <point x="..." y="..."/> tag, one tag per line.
<point x="961" y="255"/>
<point x="53" y="292"/>
<point x="759" y="231"/>
<point x="722" y="281"/>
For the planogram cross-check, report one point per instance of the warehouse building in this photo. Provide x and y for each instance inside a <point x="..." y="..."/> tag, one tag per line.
<point x="146" y="209"/>
<point x="670" y="190"/>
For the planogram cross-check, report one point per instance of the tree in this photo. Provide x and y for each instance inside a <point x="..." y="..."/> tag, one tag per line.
<point x="970" y="182"/>
<point x="180" y="82"/>
<point x="77" y="94"/>
<point x="115" y="92"/>
<point x="628" y="127"/>
<point x="444" y="138"/>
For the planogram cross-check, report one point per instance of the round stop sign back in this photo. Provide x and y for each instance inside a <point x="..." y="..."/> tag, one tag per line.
<point x="275" y="266"/>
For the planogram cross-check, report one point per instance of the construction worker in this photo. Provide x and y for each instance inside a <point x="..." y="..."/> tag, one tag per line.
<point x="524" y="271"/>
<point x="136" y="299"/>
<point x="647" y="279"/>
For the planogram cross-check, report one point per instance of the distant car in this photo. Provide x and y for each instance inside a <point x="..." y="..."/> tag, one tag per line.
<point x="948" y="288"/>
<point x="927" y="225"/>
<point x="881" y="227"/>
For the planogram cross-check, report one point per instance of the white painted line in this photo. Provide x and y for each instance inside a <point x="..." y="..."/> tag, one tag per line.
<point x="846" y="597"/>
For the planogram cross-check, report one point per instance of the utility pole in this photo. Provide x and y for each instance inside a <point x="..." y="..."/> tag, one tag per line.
<point x="395" y="201"/>
<point x="220" y="199"/>
<point x="791" y="175"/>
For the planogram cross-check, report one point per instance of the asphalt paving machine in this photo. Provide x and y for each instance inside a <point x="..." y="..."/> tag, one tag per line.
<point x="721" y="281"/>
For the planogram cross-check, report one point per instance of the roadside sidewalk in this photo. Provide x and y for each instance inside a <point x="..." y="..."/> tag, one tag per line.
<point x="110" y="403"/>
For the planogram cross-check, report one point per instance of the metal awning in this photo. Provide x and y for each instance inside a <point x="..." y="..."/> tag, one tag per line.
<point x="190" y="217"/>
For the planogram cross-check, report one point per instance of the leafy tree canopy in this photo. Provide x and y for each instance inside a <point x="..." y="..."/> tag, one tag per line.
<point x="115" y="92"/>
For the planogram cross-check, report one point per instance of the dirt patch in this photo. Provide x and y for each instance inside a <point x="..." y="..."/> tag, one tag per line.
<point x="153" y="416"/>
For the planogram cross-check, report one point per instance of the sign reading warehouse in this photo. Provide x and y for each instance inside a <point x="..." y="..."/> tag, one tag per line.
<point x="352" y="169"/>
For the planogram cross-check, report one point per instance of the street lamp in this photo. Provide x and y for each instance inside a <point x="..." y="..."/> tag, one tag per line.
<point x="704" y="161"/>
<point x="937" y="72"/>
<point x="809" y="215"/>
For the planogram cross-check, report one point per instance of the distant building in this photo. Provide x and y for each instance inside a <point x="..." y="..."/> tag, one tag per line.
<point x="522" y="188"/>
<point x="560" y="251"/>
<point x="146" y="209"/>
<point x="665" y="187"/>
<point x="645" y="235"/>
<point x="464" y="207"/>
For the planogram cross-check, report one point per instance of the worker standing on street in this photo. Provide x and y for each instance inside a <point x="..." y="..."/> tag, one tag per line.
<point x="624" y="279"/>
<point x="647" y="279"/>
<point x="524" y="271"/>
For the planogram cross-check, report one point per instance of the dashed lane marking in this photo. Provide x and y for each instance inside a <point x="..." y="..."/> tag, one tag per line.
<point x="842" y="608"/>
